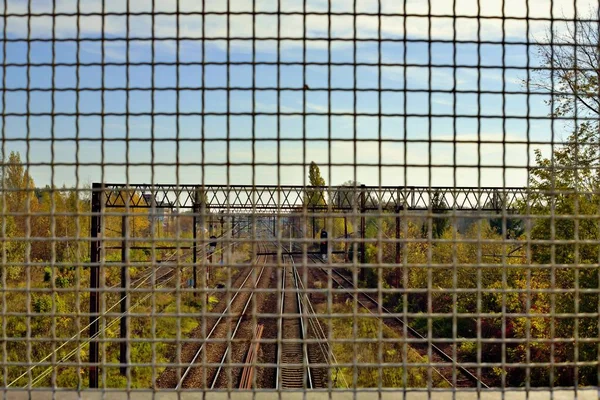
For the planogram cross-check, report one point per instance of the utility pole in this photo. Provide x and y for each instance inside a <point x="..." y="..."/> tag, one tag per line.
<point x="345" y="238"/>
<point x="222" y="243"/>
<point x="196" y="210"/>
<point x="124" y="348"/>
<point x="95" y="234"/>
<point x="363" y="256"/>
<point x="398" y="246"/>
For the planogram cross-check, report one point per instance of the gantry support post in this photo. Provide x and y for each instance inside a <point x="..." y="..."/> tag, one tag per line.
<point x="203" y="207"/>
<point x="363" y="255"/>
<point x="222" y="241"/>
<point x="124" y="345"/>
<point x="96" y="237"/>
<point x="345" y="238"/>
<point x="196" y="210"/>
<point x="398" y="246"/>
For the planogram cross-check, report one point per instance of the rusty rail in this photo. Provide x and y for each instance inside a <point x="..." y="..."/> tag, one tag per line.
<point x="248" y="372"/>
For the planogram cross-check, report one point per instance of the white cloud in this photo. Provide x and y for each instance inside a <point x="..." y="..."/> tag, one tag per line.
<point x="491" y="158"/>
<point x="489" y="27"/>
<point x="325" y="109"/>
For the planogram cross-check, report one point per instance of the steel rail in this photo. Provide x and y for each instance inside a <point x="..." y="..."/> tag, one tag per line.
<point x="222" y="315"/>
<point x="362" y="304"/>
<point x="293" y="376"/>
<point x="48" y="370"/>
<point x="112" y="323"/>
<point x="280" y="332"/>
<point x="468" y="374"/>
<point x="171" y="256"/>
<point x="326" y="351"/>
<point x="314" y="322"/>
<point x="303" y="332"/>
<point x="237" y="326"/>
<point x="248" y="371"/>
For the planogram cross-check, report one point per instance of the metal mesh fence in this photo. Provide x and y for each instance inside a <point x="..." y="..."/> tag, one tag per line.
<point x="300" y="195"/>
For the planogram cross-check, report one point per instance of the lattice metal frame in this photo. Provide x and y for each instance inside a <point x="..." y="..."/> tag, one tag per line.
<point x="340" y="198"/>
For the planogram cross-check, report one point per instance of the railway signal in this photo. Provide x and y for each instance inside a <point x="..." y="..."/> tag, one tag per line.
<point x="212" y="246"/>
<point x="324" y="244"/>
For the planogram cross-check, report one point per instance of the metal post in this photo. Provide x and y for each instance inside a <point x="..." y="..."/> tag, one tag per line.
<point x="96" y="225"/>
<point x="210" y="260"/>
<point x="197" y="209"/>
<point x="314" y="231"/>
<point x="195" y="250"/>
<point x="363" y="256"/>
<point x="222" y="242"/>
<point x="345" y="239"/>
<point x="397" y="247"/>
<point x="201" y="210"/>
<point x="211" y="230"/>
<point x="124" y="348"/>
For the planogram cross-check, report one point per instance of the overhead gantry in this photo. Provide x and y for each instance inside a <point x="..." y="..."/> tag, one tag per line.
<point x="229" y="201"/>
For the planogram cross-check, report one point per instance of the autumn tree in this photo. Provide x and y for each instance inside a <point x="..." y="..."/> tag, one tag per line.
<point x="18" y="201"/>
<point x="347" y="195"/>
<point x="570" y="76"/>
<point x="438" y="224"/>
<point x="315" y="198"/>
<point x="565" y="185"/>
<point x="20" y="192"/>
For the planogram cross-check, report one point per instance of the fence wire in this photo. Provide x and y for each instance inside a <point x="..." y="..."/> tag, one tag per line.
<point x="318" y="195"/>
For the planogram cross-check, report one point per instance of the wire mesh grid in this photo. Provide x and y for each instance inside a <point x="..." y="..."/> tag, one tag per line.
<point x="300" y="195"/>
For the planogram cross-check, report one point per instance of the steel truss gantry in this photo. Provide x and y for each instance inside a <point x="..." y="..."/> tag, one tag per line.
<point x="338" y="198"/>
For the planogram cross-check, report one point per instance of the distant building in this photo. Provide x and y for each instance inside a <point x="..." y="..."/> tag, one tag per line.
<point x="160" y="212"/>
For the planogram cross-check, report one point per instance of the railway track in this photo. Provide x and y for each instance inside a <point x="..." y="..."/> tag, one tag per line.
<point x="293" y="371"/>
<point x="320" y="352"/>
<point x="468" y="379"/>
<point x="245" y="342"/>
<point x="215" y="345"/>
<point x="236" y="306"/>
<point x="166" y="268"/>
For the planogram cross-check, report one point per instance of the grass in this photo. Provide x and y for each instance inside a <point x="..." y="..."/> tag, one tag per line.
<point x="374" y="351"/>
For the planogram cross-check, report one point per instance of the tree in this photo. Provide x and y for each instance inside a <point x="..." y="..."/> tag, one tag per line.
<point x="314" y="175"/>
<point x="438" y="224"/>
<point x="347" y="195"/>
<point x="19" y="198"/>
<point x="514" y="227"/>
<point x="15" y="250"/>
<point x="315" y="197"/>
<point x="20" y="186"/>
<point x="566" y="185"/>
<point x="570" y="76"/>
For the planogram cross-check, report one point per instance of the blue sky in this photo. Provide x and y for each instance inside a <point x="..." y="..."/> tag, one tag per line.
<point x="327" y="137"/>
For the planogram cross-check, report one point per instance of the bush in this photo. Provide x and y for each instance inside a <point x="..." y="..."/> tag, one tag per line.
<point x="468" y="351"/>
<point x="42" y="303"/>
<point x="62" y="282"/>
